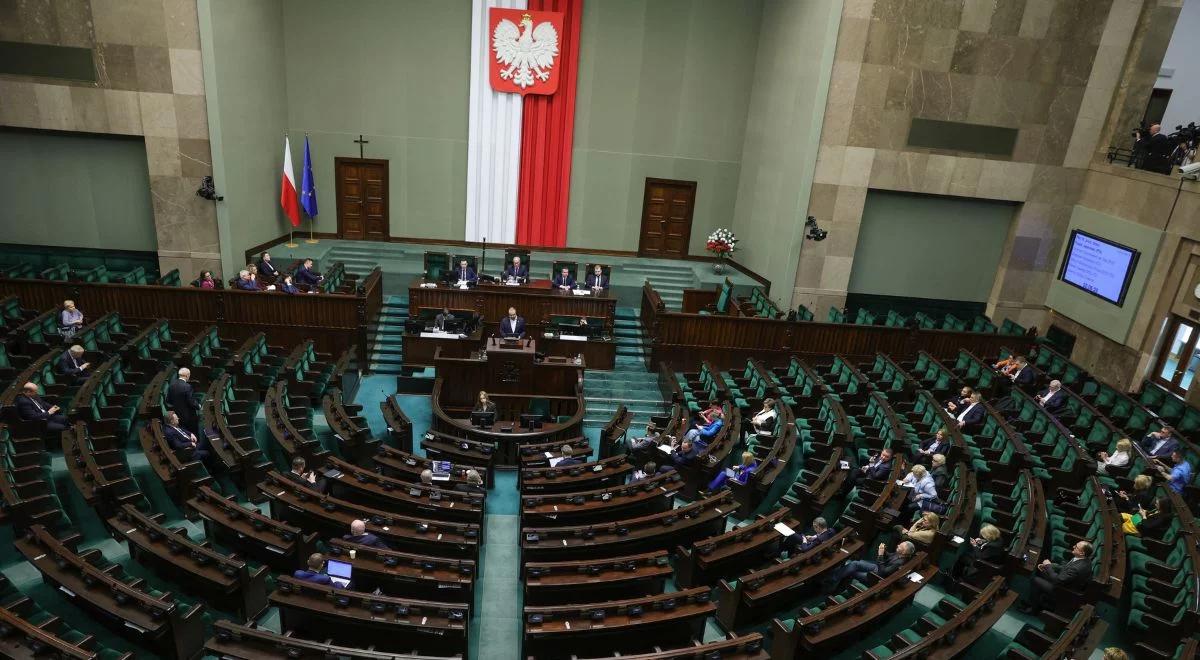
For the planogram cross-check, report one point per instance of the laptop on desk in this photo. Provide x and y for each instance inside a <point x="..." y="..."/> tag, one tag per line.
<point x="339" y="572"/>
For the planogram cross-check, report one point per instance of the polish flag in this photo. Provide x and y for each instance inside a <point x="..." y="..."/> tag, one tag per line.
<point x="287" y="193"/>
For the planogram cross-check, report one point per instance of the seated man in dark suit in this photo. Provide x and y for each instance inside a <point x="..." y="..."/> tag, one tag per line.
<point x="971" y="418"/>
<point x="305" y="477"/>
<point x="1053" y="399"/>
<point x="799" y="543"/>
<point x="1024" y="375"/>
<point x="474" y="484"/>
<point x="465" y="273"/>
<point x="71" y="364"/>
<point x="597" y="281"/>
<point x="1074" y="574"/>
<point x="306" y="276"/>
<point x="183" y="441"/>
<point x="182" y="399"/>
<point x="358" y="534"/>
<point x="439" y="321"/>
<point x="564" y="280"/>
<point x="685" y="454"/>
<point x="516" y="271"/>
<point x="1160" y="443"/>
<point x="266" y="268"/>
<point x="512" y="325"/>
<point x="938" y="444"/>
<point x="884" y="565"/>
<point x="568" y="458"/>
<point x="31" y="407"/>
<point x="315" y="572"/>
<point x="877" y="469"/>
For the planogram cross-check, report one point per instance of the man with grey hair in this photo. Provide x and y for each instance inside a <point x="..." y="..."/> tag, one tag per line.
<point x="427" y="477"/>
<point x="884" y="565"/>
<point x="183" y="440"/>
<point x="182" y="399"/>
<point x="474" y="483"/>
<point x="32" y="407"/>
<point x="245" y="282"/>
<point x="1053" y="399"/>
<point x="72" y="365"/>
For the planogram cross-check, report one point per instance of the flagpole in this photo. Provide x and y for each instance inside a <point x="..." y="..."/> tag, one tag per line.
<point x="291" y="237"/>
<point x="309" y="188"/>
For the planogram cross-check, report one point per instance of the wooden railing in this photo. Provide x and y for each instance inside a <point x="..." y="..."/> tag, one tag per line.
<point x="334" y="321"/>
<point x="728" y="341"/>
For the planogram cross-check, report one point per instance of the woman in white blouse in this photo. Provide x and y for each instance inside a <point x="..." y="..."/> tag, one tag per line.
<point x="764" y="420"/>
<point x="1119" y="458"/>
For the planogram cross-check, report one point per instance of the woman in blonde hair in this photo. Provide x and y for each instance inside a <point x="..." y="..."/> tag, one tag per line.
<point x="1142" y="496"/>
<point x="1119" y="458"/>
<point x="921" y="531"/>
<point x="740" y="474"/>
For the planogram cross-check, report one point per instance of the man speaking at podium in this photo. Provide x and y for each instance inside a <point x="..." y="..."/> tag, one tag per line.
<point x="512" y="326"/>
<point x="516" y="271"/>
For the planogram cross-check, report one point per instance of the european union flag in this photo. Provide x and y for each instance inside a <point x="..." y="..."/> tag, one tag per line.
<point x="308" y="186"/>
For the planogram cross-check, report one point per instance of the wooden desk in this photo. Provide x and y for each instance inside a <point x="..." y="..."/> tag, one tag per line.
<point x="419" y="348"/>
<point x="452" y="419"/>
<point x="536" y="301"/>
<point x="506" y="370"/>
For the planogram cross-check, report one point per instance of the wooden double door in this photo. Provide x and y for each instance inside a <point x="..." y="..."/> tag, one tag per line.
<point x="362" y="198"/>
<point x="667" y="218"/>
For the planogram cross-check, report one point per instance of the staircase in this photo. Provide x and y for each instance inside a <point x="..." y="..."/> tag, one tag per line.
<point x="386" y="340"/>
<point x="362" y="257"/>
<point x="628" y="383"/>
<point x="668" y="279"/>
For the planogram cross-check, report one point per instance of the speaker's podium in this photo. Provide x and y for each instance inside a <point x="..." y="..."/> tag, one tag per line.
<point x="506" y="366"/>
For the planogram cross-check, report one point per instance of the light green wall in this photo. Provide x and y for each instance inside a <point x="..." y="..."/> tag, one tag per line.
<point x="108" y="205"/>
<point x="787" y="105"/>
<point x="926" y="246"/>
<point x="662" y="92"/>
<point x="242" y="47"/>
<point x="1099" y="315"/>
<point x="396" y="71"/>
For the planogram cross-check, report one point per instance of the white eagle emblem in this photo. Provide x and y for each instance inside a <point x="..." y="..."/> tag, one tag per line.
<point x="527" y="51"/>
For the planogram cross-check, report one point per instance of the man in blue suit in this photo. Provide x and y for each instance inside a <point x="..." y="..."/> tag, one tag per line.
<point x="307" y="276"/>
<point x="1160" y="443"/>
<point x="314" y="574"/>
<point x="465" y="273"/>
<point x="597" y="280"/>
<point x="359" y="534"/>
<point x="512" y="325"/>
<point x="683" y="455"/>
<point x="564" y="281"/>
<point x="516" y="271"/>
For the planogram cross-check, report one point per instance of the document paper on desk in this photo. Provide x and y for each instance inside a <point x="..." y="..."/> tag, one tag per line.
<point x="915" y="577"/>
<point x="582" y="292"/>
<point x="784" y="529"/>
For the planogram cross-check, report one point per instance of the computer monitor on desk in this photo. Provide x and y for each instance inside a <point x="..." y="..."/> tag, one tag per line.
<point x="483" y="418"/>
<point x="531" y="420"/>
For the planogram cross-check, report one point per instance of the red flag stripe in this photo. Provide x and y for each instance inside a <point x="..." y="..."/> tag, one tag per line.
<point x="547" y="136"/>
<point x="287" y="192"/>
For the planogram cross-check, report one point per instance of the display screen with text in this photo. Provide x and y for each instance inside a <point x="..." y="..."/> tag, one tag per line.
<point x="1098" y="266"/>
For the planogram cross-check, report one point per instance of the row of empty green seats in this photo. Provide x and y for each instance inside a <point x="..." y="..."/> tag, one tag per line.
<point x="894" y="319"/>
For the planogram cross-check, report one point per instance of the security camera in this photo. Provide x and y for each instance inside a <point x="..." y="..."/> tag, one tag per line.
<point x="1190" y="168"/>
<point x="814" y="233"/>
<point x="208" y="191"/>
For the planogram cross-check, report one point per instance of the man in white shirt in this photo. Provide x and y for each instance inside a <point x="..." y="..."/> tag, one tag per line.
<point x="1053" y="399"/>
<point x="973" y="415"/>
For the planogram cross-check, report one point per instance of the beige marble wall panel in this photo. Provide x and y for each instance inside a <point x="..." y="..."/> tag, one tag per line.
<point x="149" y="83"/>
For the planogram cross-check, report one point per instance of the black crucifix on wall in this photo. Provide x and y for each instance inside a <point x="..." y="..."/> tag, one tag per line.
<point x="360" y="142"/>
